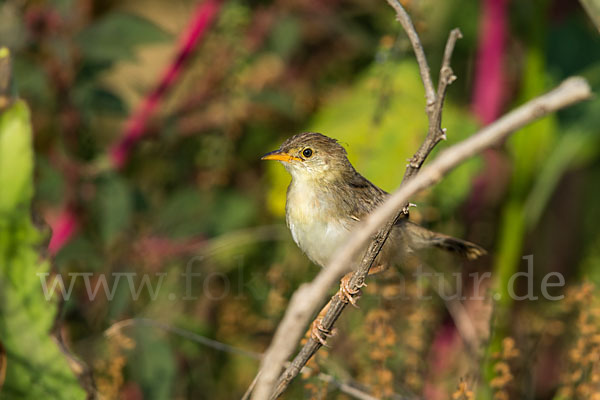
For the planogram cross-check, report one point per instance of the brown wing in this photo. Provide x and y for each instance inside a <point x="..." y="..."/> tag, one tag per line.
<point x="363" y="197"/>
<point x="360" y="196"/>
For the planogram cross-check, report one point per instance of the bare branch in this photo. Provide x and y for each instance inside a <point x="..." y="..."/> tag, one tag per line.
<point x="345" y="388"/>
<point x="404" y="19"/>
<point x="83" y="372"/>
<point x="435" y="133"/>
<point x="310" y="296"/>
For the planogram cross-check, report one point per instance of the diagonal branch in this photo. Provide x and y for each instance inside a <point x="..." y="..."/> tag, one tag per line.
<point x="310" y="296"/>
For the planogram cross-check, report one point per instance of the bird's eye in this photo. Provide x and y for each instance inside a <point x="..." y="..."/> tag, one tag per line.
<point x="307" y="152"/>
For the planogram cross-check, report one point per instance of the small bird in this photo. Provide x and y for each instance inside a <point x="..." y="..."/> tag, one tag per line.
<point x="327" y="197"/>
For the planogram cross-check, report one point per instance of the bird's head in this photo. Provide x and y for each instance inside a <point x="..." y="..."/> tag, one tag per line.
<point x="312" y="156"/>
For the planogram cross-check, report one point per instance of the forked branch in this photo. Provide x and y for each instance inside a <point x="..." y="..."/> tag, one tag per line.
<point x="435" y="133"/>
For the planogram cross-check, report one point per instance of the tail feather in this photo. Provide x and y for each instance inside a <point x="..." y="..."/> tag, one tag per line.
<point x="469" y="250"/>
<point x="421" y="237"/>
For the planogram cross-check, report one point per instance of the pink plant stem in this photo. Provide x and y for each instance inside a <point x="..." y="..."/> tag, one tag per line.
<point x="67" y="223"/>
<point x="488" y="92"/>
<point x="488" y="100"/>
<point x="135" y="127"/>
<point x="63" y="229"/>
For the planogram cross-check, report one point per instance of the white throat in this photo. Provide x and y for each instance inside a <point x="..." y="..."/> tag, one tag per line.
<point x="315" y="227"/>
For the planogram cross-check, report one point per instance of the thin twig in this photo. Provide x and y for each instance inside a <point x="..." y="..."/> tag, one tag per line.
<point x="83" y="371"/>
<point x="310" y="296"/>
<point x="246" y="395"/>
<point x="345" y="387"/>
<point x="462" y="320"/>
<point x="435" y="133"/>
<point x="404" y="19"/>
<point x="181" y="332"/>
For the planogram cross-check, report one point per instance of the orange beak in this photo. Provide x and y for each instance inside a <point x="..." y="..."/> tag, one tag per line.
<point x="278" y="155"/>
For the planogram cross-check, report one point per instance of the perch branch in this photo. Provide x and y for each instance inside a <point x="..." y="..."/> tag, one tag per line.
<point x="310" y="296"/>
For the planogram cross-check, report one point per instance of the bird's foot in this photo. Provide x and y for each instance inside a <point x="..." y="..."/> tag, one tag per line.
<point x="406" y="208"/>
<point x="348" y="294"/>
<point x="319" y="333"/>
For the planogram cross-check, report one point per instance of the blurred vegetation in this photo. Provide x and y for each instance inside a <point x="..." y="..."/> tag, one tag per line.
<point x="193" y="196"/>
<point x="25" y="316"/>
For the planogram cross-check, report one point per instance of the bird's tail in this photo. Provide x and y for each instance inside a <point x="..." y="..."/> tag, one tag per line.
<point x="421" y="237"/>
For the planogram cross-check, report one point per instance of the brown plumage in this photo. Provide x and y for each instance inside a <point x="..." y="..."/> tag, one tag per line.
<point x="327" y="197"/>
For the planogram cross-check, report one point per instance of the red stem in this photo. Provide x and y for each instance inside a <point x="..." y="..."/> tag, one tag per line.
<point x="63" y="229"/>
<point x="488" y="92"/>
<point x="67" y="224"/>
<point x="135" y="127"/>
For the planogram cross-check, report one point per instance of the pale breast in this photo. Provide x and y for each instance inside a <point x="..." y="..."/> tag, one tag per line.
<point x="316" y="227"/>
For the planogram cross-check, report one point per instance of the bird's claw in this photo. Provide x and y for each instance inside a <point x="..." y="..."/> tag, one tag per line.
<point x="346" y="293"/>
<point x="406" y="208"/>
<point x="319" y="333"/>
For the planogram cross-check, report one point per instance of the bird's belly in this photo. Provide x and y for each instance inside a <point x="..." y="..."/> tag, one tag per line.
<point x="319" y="239"/>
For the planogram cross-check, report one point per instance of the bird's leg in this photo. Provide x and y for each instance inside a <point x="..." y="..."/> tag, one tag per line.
<point x="347" y="294"/>
<point x="317" y="331"/>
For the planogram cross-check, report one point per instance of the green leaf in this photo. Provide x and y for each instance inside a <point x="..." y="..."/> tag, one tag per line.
<point x="155" y="369"/>
<point x="182" y="214"/>
<point x="36" y="369"/>
<point x="94" y="99"/>
<point x="191" y="213"/>
<point x="16" y="158"/>
<point x="31" y="80"/>
<point x="285" y="36"/>
<point x="278" y="100"/>
<point x="531" y="146"/>
<point x="79" y="254"/>
<point x="231" y="210"/>
<point x="50" y="185"/>
<point x="592" y="8"/>
<point x="114" y="205"/>
<point x="114" y="37"/>
<point x="571" y="147"/>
